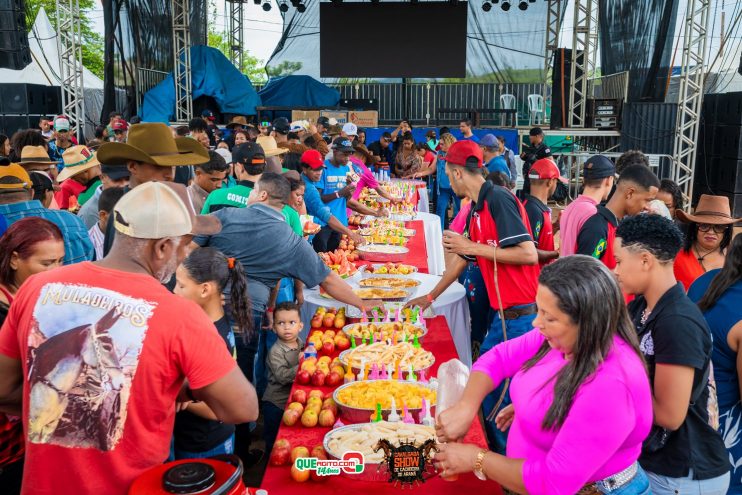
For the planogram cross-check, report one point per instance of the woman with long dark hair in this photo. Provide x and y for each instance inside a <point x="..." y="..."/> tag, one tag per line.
<point x="31" y="245"/>
<point x="708" y="234"/>
<point x="4" y="146"/>
<point x="672" y="196"/>
<point x="579" y="388"/>
<point x="719" y="296"/>
<point x="683" y="453"/>
<point x="202" y="278"/>
<point x="407" y="161"/>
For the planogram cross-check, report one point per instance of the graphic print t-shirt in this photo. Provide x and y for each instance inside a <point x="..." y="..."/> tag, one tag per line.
<point x="104" y="355"/>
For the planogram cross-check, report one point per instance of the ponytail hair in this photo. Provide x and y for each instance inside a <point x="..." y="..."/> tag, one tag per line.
<point x="730" y="274"/>
<point x="207" y="264"/>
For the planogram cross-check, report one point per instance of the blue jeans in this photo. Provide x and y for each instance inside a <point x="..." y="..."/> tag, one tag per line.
<point x="272" y="415"/>
<point x="247" y="350"/>
<point x="637" y="486"/>
<point x="265" y="342"/>
<point x="515" y="328"/>
<point x="664" y="485"/>
<point x="479" y="304"/>
<point x="227" y="447"/>
<point x="444" y="198"/>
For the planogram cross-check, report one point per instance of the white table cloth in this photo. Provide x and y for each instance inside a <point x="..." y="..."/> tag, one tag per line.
<point x="423" y="204"/>
<point x="433" y="242"/>
<point x="451" y="304"/>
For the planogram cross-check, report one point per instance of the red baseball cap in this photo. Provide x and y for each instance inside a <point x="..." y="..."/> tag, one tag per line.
<point x="545" y="169"/>
<point x="312" y="159"/>
<point x="120" y="125"/>
<point x="465" y="153"/>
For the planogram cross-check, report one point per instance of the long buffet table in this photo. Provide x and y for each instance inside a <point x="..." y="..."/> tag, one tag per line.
<point x="446" y="333"/>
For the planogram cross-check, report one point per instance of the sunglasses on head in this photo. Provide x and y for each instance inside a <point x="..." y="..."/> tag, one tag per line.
<point x="705" y="227"/>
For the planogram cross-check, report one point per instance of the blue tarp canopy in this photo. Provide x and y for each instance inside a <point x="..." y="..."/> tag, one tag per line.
<point x="298" y="91"/>
<point x="211" y="75"/>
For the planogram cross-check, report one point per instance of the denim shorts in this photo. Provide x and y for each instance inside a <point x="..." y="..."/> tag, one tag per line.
<point x="639" y="485"/>
<point x="664" y="485"/>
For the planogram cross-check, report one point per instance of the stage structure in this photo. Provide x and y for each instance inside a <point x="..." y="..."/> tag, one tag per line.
<point x="70" y="52"/>
<point x="553" y="28"/>
<point x="584" y="48"/>
<point x="692" y="78"/>
<point x="235" y="12"/>
<point x="182" y="61"/>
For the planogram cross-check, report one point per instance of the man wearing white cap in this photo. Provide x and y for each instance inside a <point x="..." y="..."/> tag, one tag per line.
<point x="99" y="353"/>
<point x="62" y="140"/>
<point x="350" y="131"/>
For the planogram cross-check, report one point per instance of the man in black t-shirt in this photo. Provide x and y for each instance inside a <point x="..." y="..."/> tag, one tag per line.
<point x="536" y="151"/>
<point x="382" y="148"/>
<point x="683" y="453"/>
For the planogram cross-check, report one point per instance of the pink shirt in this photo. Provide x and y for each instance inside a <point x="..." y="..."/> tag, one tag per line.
<point x="604" y="429"/>
<point x="572" y="219"/>
<point x="458" y="224"/>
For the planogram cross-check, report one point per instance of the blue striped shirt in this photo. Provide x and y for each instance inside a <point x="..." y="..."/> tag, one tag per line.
<point x="77" y="245"/>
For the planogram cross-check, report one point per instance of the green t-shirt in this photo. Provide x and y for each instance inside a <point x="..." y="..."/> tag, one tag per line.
<point x="88" y="193"/>
<point x="236" y="197"/>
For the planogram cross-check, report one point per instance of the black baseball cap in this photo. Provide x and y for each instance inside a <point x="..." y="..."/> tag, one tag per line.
<point x="115" y="172"/>
<point x="281" y="125"/>
<point x="598" y="167"/>
<point x="343" y="144"/>
<point x="248" y="153"/>
<point x="323" y="121"/>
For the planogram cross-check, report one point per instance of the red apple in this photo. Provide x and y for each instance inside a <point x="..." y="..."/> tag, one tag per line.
<point x="316" y="321"/>
<point x="299" y="396"/>
<point x="331" y="405"/>
<point x="303" y="377"/>
<point x="326" y="418"/>
<point x="290" y="417"/>
<point x="333" y="379"/>
<point x="309" y="418"/>
<point x="299" y="476"/>
<point x="342" y="344"/>
<point x="281" y="453"/>
<point x="316" y="393"/>
<point x="300" y="451"/>
<point x="328" y="347"/>
<point x="318" y="378"/>
<point x="296" y="406"/>
<point x="318" y="452"/>
<point x="328" y="320"/>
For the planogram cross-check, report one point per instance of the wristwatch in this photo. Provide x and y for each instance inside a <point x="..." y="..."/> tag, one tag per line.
<point x="478" y="465"/>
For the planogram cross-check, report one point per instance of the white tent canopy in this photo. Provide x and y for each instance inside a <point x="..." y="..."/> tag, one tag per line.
<point x="44" y="69"/>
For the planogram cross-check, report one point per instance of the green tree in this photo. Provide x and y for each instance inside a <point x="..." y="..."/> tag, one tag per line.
<point x="92" y="42"/>
<point x="252" y="66"/>
<point x="285" y="68"/>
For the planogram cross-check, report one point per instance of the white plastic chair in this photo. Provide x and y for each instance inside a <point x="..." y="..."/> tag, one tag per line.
<point x="535" y="109"/>
<point x="507" y="102"/>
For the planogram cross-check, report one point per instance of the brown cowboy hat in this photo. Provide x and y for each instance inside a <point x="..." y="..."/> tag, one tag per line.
<point x="77" y="159"/>
<point x="369" y="158"/>
<point x="237" y="121"/>
<point x="713" y="210"/>
<point x="270" y="147"/>
<point x="35" y="155"/>
<point x="154" y="143"/>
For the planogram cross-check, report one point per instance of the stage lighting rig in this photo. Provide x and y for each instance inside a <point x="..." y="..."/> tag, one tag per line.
<point x="523" y="5"/>
<point x="295" y="3"/>
<point x="267" y="6"/>
<point x="301" y="8"/>
<point x="486" y="6"/>
<point x="283" y="7"/>
<point x="257" y="2"/>
<point x="505" y="5"/>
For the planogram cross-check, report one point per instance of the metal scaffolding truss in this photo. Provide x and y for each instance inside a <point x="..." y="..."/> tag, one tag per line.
<point x="69" y="44"/>
<point x="691" y="93"/>
<point x="182" y="60"/>
<point x="235" y="13"/>
<point x="584" y="48"/>
<point x="553" y="26"/>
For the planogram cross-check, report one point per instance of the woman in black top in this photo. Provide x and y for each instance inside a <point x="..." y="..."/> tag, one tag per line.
<point x="202" y="278"/>
<point x="684" y="454"/>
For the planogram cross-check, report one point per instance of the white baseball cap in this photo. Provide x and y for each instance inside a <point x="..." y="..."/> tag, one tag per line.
<point x="61" y="124"/>
<point x="350" y="129"/>
<point x="156" y="210"/>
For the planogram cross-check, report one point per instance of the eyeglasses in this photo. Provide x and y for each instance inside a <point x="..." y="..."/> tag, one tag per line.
<point x="719" y="229"/>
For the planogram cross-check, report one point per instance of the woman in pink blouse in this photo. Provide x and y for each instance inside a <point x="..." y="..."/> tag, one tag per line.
<point x="579" y="388"/>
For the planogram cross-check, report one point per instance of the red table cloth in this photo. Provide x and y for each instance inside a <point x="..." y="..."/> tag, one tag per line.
<point x="278" y="479"/>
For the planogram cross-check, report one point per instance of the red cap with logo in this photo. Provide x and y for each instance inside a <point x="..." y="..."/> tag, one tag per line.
<point x="466" y="154"/>
<point x="312" y="159"/>
<point x="545" y="169"/>
<point x="120" y="125"/>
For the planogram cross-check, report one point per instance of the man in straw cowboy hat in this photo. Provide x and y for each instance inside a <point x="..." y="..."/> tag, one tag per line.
<point x="708" y="235"/>
<point x="78" y="336"/>
<point x="16" y="203"/>
<point x="79" y="178"/>
<point x="150" y="154"/>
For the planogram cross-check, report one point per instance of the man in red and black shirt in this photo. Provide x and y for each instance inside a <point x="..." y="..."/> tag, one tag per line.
<point x="497" y="228"/>
<point x="544" y="175"/>
<point x="636" y="187"/>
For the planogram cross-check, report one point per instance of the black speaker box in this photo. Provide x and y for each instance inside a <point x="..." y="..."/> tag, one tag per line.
<point x="360" y="104"/>
<point x="19" y="98"/>
<point x="14" y="51"/>
<point x="10" y="124"/>
<point x="561" y="81"/>
<point x="729" y="175"/>
<point x="728" y="141"/>
<point x="729" y="108"/>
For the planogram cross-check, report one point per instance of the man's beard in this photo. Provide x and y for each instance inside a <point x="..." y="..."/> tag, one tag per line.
<point x="165" y="274"/>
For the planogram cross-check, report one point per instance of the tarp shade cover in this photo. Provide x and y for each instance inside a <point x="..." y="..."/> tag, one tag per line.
<point x="211" y="75"/>
<point x="298" y="91"/>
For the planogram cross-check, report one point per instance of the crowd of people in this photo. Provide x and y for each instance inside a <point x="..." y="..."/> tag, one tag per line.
<point x="605" y="339"/>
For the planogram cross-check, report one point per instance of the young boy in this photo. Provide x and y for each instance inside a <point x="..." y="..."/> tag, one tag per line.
<point x="543" y="175"/>
<point x="282" y="363"/>
<point x="108" y="199"/>
<point x="78" y="179"/>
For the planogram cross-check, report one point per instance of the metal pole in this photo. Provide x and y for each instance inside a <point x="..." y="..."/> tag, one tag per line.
<point x="182" y="62"/>
<point x="235" y="11"/>
<point x="695" y="41"/>
<point x="583" y="39"/>
<point x="69" y="44"/>
<point x="553" y="26"/>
